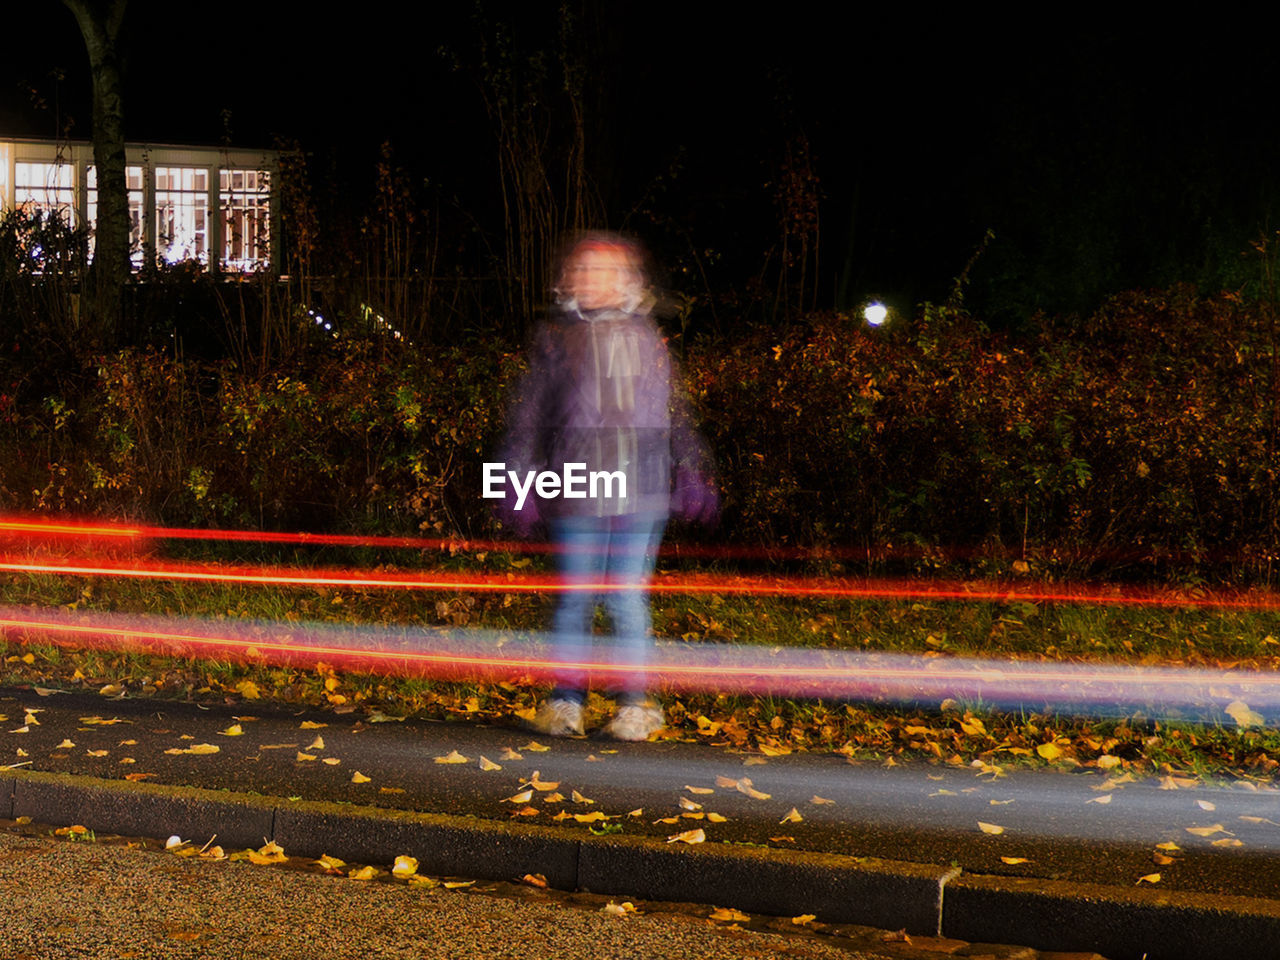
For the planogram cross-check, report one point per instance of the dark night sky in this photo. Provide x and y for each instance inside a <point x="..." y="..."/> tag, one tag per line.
<point x="924" y="132"/>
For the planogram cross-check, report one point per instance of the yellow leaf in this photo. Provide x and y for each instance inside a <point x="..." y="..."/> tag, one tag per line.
<point x="526" y="812"/>
<point x="689" y="836"/>
<point x="249" y="690"/>
<point x="404" y="867"/>
<point x="1105" y="798"/>
<point x="769" y="751"/>
<point x="524" y="796"/>
<point x="363" y="873"/>
<point x="128" y="760"/>
<point x="96" y="753"/>
<point x="457" y="884"/>
<point x="693" y="816"/>
<point x="331" y="761"/>
<point x="317" y="743"/>
<point x="687" y="804"/>
<point x="1205" y="805"/>
<point x="535" y="880"/>
<point x="1206" y="831"/>
<point x="562" y="815"/>
<point x="1014" y="861"/>
<point x="591" y="817"/>
<point x="667" y="820"/>
<point x="534" y="746"/>
<point x="330" y="863"/>
<point x="754" y="761"/>
<point x="943" y="792"/>
<point x="235" y="730"/>
<point x="1168" y="845"/>
<point x="556" y="797"/>
<point x="488" y="765"/>
<point x="618" y="909"/>
<point x="729" y="914"/>
<point x="1160" y="860"/>
<point x="1227" y="842"/>
<point x="637" y="812"/>
<point x="716" y="818"/>
<point x="358" y="777"/>
<point x="543" y="786"/>
<point x="21" y="730"/>
<point x="817" y="799"/>
<point x="311" y="725"/>
<point x="203" y="749"/>
<point x="1245" y="819"/>
<point x="1050" y="751"/>
<point x="792" y="817"/>
<point x="804" y="918"/>
<point x="418" y="880"/>
<point x="579" y="798"/>
<point x="1150" y="878"/>
<point x="509" y="754"/>
<point x="701" y="791"/>
<point x="999" y="803"/>
<point x="453" y="757"/>
<point x="990" y="828"/>
<point x="391" y="789"/>
<point x="213" y="853"/>
<point x="782" y="839"/>
<point x="65" y="745"/>
<point x="1244" y="717"/>
<point x="303" y="757"/>
<point x="1106" y="762"/>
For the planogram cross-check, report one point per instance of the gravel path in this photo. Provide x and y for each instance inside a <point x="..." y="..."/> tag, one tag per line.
<point x="60" y="899"/>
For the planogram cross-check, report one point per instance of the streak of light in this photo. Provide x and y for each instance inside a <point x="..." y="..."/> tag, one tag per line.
<point x="678" y="583"/>
<point x="459" y="653"/>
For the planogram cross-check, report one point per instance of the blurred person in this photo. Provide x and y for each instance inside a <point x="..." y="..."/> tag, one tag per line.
<point x="602" y="397"/>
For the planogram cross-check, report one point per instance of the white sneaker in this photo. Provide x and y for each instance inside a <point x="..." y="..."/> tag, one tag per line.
<point x="558" y="718"/>
<point x="635" y="723"/>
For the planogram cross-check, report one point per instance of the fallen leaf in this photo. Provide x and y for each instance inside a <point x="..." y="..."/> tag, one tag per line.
<point x="235" y="730"/>
<point x="754" y="761"/>
<point x="728" y="914"/>
<point x="317" y="743"/>
<point x="535" y="747"/>
<point x="591" y="817"/>
<point x="726" y="782"/>
<point x="488" y="765"/>
<point x="303" y="757"/>
<point x="1227" y="842"/>
<point x="999" y="803"/>
<point x="331" y="761"/>
<point x="817" y="799"/>
<point x="579" y="798"/>
<point x="135" y="777"/>
<point x="692" y="816"/>
<point x="535" y="880"/>
<point x="1014" y="861"/>
<point x="553" y="798"/>
<point x="1106" y="762"/>
<point x="769" y="751"/>
<point x="526" y="812"/>
<point x="249" y="690"/>
<point x="404" y="867"/>
<point x="1260" y="820"/>
<point x="1168" y="845"/>
<point x="782" y="839"/>
<point x="944" y="793"/>
<point x="1150" y="878"/>
<point x="689" y="836"/>
<point x="701" y="791"/>
<point x="391" y="789"/>
<point x="174" y="841"/>
<point x="1206" y="831"/>
<point x="667" y="820"/>
<point x="204" y="749"/>
<point x="64" y="745"/>
<point x="457" y="884"/>
<point x="330" y="863"/>
<point x="509" y="754"/>
<point x="311" y="725"/>
<point x="637" y="812"/>
<point x="358" y="777"/>
<point x="21" y="730"/>
<point x="792" y="817"/>
<point x="687" y="804"/>
<point x="363" y="873"/>
<point x="1049" y="751"/>
<point x="524" y="796"/>
<point x="111" y="690"/>
<point x="990" y="828"/>
<point x="1105" y="798"/>
<point x="618" y="909"/>
<point x="453" y="757"/>
<point x="1244" y="717"/>
<point x="96" y="753"/>
<point x="1160" y="860"/>
<point x="804" y="918"/>
<point x="212" y="853"/>
<point x="716" y="818"/>
<point x="1205" y="805"/>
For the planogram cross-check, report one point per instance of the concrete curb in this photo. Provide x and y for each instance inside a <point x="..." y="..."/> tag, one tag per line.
<point x="1119" y="922"/>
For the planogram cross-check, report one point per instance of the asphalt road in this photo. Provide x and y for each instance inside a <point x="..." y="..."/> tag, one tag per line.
<point x="1056" y="825"/>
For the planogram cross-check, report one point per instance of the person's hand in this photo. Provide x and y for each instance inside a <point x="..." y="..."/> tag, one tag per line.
<point x="695" y="498"/>
<point x="523" y="521"/>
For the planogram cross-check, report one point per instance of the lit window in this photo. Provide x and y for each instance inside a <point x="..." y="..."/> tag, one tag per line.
<point x="133" y="183"/>
<point x="182" y="207"/>
<point x="245" y="201"/>
<point x="47" y="187"/>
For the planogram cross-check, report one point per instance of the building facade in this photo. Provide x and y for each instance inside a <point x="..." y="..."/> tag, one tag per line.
<point x="210" y="205"/>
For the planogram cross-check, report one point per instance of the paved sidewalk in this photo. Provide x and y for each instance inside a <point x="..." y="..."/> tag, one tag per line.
<point x="891" y="848"/>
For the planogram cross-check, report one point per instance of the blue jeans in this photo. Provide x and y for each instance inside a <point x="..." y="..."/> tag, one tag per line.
<point x="620" y="552"/>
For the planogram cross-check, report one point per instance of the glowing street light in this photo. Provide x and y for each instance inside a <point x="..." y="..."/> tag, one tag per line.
<point x="876" y="313"/>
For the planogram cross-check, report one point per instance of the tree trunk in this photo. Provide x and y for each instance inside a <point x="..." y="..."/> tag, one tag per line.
<point x="99" y="22"/>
